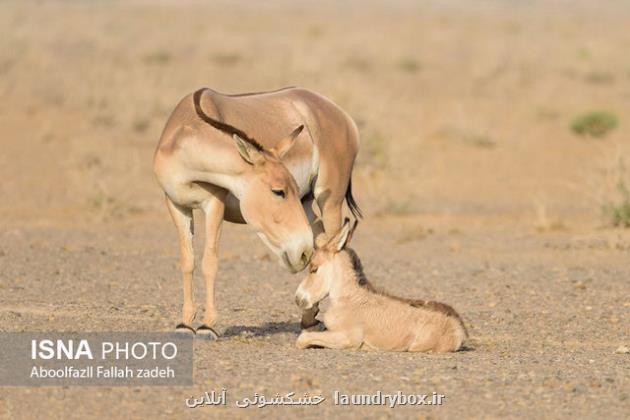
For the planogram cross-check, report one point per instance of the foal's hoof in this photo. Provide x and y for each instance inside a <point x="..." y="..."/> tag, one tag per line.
<point x="184" y="329"/>
<point x="207" y="333"/>
<point x="318" y="327"/>
<point x="314" y="325"/>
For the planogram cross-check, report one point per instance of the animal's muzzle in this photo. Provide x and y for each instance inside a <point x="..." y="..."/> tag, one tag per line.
<point x="297" y="264"/>
<point x="306" y="258"/>
<point x="301" y="302"/>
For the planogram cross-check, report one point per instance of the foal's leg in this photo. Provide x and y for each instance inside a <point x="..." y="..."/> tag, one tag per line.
<point x="183" y="219"/>
<point x="330" y="339"/>
<point x="213" y="209"/>
<point x="308" y="316"/>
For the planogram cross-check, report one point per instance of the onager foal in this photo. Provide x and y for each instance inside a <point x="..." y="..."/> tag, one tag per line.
<point x="359" y="314"/>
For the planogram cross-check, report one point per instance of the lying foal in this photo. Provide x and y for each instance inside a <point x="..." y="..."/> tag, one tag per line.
<point x="359" y="314"/>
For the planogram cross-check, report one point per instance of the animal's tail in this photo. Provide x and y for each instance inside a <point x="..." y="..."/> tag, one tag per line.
<point x="352" y="205"/>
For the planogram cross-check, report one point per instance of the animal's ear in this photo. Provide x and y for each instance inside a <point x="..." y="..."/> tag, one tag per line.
<point x="344" y="235"/>
<point x="284" y="145"/>
<point x="248" y="151"/>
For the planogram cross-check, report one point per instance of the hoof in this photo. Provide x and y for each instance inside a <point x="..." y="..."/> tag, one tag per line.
<point x="206" y="333"/>
<point x="184" y="329"/>
<point x="312" y="326"/>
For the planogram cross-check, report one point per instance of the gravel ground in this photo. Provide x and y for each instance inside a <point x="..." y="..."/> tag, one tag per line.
<point x="546" y="314"/>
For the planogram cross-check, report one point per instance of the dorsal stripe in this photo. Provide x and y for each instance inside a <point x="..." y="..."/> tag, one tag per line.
<point x="416" y="303"/>
<point x="221" y="126"/>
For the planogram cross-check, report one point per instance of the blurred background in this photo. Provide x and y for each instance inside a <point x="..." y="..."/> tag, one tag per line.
<point x="490" y="113"/>
<point x="492" y="173"/>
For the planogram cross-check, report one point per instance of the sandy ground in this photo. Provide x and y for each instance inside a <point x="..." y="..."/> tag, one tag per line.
<point x="545" y="314"/>
<point x="476" y="191"/>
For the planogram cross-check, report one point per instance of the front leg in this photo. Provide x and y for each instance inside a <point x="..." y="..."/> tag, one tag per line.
<point x="309" y="317"/>
<point x="323" y="230"/>
<point x="330" y="208"/>
<point x="317" y="225"/>
<point x="330" y="339"/>
<point x="214" y="209"/>
<point x="183" y="220"/>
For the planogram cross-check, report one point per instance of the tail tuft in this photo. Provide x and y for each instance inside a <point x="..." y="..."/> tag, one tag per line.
<point x="352" y="205"/>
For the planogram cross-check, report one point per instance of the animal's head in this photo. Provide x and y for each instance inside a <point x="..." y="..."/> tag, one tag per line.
<point x="270" y="201"/>
<point x="324" y="267"/>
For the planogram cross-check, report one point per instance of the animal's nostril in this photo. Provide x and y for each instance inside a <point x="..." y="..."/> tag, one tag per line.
<point x="299" y="301"/>
<point x="304" y="258"/>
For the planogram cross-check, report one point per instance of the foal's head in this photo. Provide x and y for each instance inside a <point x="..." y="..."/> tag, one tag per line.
<point x="325" y="267"/>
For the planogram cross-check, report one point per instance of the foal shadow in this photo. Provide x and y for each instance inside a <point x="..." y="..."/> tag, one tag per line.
<point x="268" y="328"/>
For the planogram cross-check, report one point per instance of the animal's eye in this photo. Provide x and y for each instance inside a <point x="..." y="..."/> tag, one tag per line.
<point x="279" y="193"/>
<point x="314" y="269"/>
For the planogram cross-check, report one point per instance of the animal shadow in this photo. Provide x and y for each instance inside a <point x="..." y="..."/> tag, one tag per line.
<point x="268" y="328"/>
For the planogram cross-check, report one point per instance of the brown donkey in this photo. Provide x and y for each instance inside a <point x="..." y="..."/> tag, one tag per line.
<point x="359" y="314"/>
<point x="291" y="147"/>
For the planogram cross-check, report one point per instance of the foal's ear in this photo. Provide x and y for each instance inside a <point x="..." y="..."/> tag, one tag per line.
<point x="250" y="153"/>
<point x="284" y="145"/>
<point x="345" y="234"/>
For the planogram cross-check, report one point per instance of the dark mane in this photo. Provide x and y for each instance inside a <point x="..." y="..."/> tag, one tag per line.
<point x="221" y="126"/>
<point x="416" y="303"/>
<point x="358" y="268"/>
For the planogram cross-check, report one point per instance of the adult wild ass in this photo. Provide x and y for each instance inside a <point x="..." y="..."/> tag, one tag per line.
<point x="260" y="159"/>
<point x="359" y="314"/>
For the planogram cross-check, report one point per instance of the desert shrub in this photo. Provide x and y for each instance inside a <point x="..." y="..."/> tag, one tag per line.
<point x="468" y="136"/>
<point x="599" y="78"/>
<point x="594" y="124"/>
<point x="482" y="141"/>
<point x="315" y="31"/>
<point x="394" y="207"/>
<point x="140" y="125"/>
<point x="157" y="57"/>
<point x="618" y="213"/>
<point x="409" y="65"/>
<point x="358" y="64"/>
<point x="226" y="59"/>
<point x="104" y="120"/>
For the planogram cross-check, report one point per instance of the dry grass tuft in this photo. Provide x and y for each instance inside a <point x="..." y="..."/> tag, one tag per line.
<point x="594" y="124"/>
<point x="226" y="59"/>
<point x="409" y="65"/>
